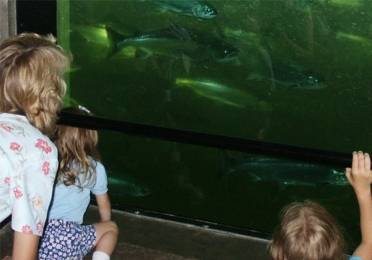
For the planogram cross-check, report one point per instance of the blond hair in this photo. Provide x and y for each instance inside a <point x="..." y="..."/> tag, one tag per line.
<point x="307" y="232"/>
<point x="77" y="148"/>
<point x="31" y="78"/>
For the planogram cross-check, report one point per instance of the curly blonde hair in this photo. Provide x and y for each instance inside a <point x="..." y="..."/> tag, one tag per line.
<point x="76" y="147"/>
<point x="31" y="78"/>
<point x="307" y="232"/>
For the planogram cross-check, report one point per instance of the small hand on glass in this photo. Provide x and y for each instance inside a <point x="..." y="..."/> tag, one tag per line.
<point x="360" y="174"/>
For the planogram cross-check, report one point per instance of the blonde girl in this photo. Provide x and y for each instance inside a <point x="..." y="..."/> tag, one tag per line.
<point x="31" y="92"/>
<point x="80" y="173"/>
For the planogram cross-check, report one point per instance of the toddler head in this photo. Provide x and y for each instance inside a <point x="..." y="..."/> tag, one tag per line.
<point x="76" y="147"/>
<point x="307" y="232"/>
<point x="31" y="78"/>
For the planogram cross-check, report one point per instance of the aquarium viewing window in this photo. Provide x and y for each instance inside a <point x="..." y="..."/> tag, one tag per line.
<point x="292" y="72"/>
<point x="286" y="72"/>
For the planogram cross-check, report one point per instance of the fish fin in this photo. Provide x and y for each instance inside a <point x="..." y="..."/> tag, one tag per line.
<point x="114" y="37"/>
<point x="143" y="53"/>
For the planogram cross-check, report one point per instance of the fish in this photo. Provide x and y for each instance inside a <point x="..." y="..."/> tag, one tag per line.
<point x="126" y="186"/>
<point x="255" y="53"/>
<point x="90" y="39"/>
<point x="291" y="76"/>
<point x="223" y="94"/>
<point x="92" y="34"/>
<point x="173" y="42"/>
<point x="163" y="41"/>
<point x="196" y="8"/>
<point x="295" y="77"/>
<point x="285" y="172"/>
<point x="354" y="38"/>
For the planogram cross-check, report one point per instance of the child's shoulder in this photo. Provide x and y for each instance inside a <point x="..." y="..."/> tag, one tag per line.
<point x="19" y="135"/>
<point x="100" y="170"/>
<point x="355" y="258"/>
<point x="15" y="124"/>
<point x="96" y="164"/>
<point x="13" y="119"/>
<point x="99" y="165"/>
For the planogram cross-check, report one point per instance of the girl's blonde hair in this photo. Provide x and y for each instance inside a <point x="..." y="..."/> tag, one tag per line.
<point x="76" y="147"/>
<point x="31" y="78"/>
<point x="307" y="232"/>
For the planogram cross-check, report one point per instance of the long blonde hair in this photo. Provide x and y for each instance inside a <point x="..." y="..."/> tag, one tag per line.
<point x="31" y="78"/>
<point x="76" y="147"/>
<point x="307" y="232"/>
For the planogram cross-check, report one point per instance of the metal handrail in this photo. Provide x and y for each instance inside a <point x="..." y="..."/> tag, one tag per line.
<point x="209" y="140"/>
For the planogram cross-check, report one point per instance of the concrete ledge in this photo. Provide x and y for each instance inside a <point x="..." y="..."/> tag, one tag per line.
<point x="183" y="240"/>
<point x="143" y="237"/>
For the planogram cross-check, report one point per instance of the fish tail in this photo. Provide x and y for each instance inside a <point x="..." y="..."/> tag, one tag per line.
<point x="114" y="37"/>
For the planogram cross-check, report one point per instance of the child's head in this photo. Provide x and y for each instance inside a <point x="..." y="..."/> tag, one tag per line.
<point x="76" y="146"/>
<point x="31" y="78"/>
<point x="307" y="232"/>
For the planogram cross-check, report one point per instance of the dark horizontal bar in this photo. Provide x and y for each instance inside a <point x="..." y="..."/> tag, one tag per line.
<point x="192" y="221"/>
<point x="210" y="140"/>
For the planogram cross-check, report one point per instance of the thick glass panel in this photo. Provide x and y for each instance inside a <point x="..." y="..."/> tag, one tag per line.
<point x="286" y="71"/>
<point x="230" y="188"/>
<point x="294" y="72"/>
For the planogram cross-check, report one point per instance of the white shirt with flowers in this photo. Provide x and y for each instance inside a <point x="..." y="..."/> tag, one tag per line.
<point x="28" y="165"/>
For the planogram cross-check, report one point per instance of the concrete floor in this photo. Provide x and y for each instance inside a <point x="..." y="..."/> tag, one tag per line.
<point x="147" y="238"/>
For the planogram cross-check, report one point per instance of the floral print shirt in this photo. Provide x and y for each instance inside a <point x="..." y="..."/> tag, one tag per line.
<point x="28" y="165"/>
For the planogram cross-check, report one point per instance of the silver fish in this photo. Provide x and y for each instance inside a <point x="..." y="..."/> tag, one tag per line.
<point x="286" y="172"/>
<point x="196" y="8"/>
<point x="223" y="94"/>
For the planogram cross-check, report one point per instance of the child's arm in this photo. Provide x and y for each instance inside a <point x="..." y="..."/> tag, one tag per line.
<point x="104" y="207"/>
<point x="360" y="177"/>
<point x="100" y="191"/>
<point x="24" y="246"/>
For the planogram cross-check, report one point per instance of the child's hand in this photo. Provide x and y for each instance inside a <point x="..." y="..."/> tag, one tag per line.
<point x="360" y="174"/>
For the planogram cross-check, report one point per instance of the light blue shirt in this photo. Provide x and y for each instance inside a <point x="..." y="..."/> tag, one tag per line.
<point x="70" y="202"/>
<point x="355" y="258"/>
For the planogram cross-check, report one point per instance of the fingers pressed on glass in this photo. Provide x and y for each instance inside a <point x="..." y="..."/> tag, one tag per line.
<point x="354" y="165"/>
<point x="348" y="175"/>
<point x="367" y="161"/>
<point x="360" y="160"/>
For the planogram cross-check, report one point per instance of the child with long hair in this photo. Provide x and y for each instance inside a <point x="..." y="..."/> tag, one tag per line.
<point x="308" y="232"/>
<point x="31" y="92"/>
<point x="80" y="173"/>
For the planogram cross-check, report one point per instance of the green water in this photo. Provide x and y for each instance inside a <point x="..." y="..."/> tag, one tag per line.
<point x="286" y="71"/>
